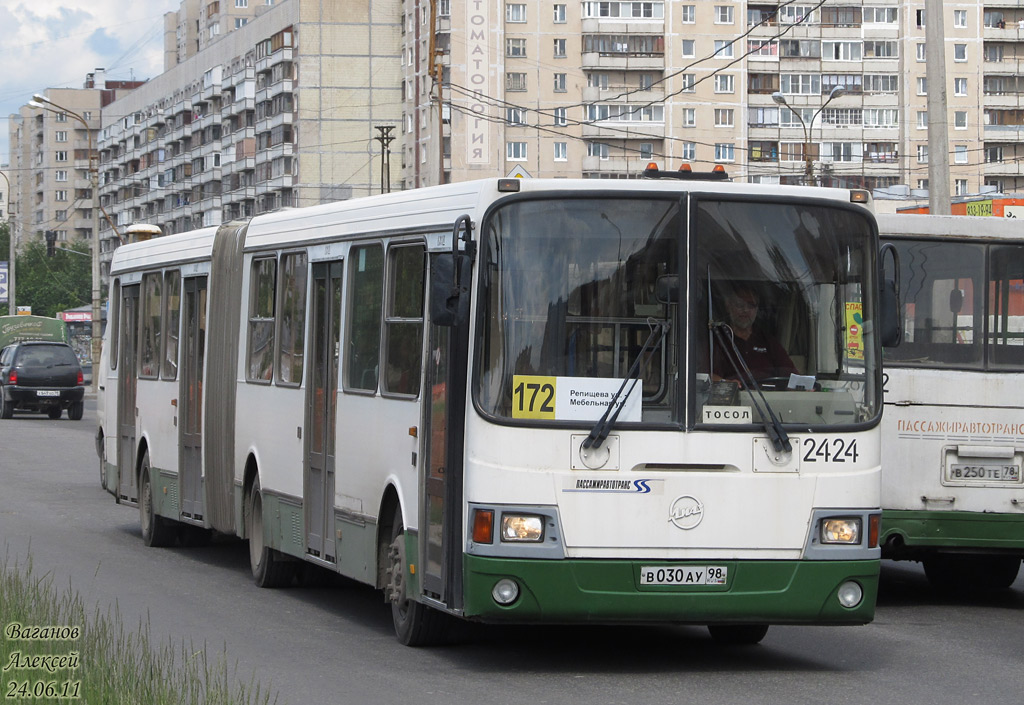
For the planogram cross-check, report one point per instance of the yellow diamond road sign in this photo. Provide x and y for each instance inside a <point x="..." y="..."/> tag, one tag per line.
<point x="518" y="172"/>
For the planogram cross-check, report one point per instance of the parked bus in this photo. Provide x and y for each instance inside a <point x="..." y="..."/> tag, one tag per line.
<point x="953" y="438"/>
<point x="498" y="401"/>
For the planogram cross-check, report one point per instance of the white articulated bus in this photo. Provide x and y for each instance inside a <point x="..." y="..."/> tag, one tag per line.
<point x="952" y="491"/>
<point x="499" y="400"/>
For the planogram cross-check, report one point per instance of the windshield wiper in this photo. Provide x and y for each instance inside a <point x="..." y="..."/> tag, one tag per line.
<point x="772" y="426"/>
<point x="604" y="425"/>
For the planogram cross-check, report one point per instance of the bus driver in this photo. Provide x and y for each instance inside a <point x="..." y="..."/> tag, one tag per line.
<point x="761" y="350"/>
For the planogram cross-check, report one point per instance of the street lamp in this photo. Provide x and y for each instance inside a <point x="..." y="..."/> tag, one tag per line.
<point x="44" y="103"/>
<point x="808" y="161"/>
<point x="11" y="308"/>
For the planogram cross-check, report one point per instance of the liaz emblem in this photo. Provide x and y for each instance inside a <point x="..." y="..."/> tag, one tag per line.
<point x="686" y="512"/>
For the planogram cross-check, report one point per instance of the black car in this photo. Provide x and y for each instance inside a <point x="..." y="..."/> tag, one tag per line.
<point x="43" y="377"/>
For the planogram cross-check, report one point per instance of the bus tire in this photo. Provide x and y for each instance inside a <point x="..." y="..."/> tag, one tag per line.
<point x="962" y="574"/>
<point x="76" y="410"/>
<point x="738" y="634"/>
<point x="416" y="624"/>
<point x="156" y="530"/>
<point x="269" y="568"/>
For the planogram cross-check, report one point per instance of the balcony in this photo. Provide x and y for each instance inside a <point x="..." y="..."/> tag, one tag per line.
<point x="596" y="60"/>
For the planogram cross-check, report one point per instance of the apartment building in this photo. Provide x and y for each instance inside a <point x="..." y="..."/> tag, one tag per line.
<point x="51" y="154"/>
<point x="279" y="112"/>
<point x="199" y="23"/>
<point x="830" y="92"/>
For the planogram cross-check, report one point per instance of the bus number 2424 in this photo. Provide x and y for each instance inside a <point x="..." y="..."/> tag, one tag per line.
<point x="830" y="450"/>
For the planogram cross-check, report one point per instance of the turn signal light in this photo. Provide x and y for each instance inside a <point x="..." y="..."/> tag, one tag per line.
<point x="873" y="529"/>
<point x="483" y="526"/>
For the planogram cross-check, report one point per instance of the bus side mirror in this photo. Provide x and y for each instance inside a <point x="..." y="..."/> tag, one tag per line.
<point x="445" y="299"/>
<point x="889" y="299"/>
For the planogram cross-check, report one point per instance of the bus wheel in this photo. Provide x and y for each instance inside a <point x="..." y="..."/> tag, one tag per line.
<point x="961" y="574"/>
<point x="269" y="569"/>
<point x="416" y="624"/>
<point x="76" y="410"/>
<point x="156" y="530"/>
<point x="738" y="634"/>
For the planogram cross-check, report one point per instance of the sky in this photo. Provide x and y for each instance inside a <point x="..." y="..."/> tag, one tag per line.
<point x="55" y="43"/>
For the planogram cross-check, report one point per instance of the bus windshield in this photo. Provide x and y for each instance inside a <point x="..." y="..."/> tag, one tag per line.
<point x="575" y="290"/>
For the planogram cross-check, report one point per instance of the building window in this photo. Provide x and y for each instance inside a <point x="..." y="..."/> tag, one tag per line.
<point x="515" y="81"/>
<point x="960" y="154"/>
<point x="687" y="14"/>
<point x="646" y="150"/>
<point x="515" y="12"/>
<point x="993" y="155"/>
<point x="560" y="83"/>
<point x="689" y="117"/>
<point x="241" y="22"/>
<point x="61" y="156"/>
<point x="559" y="13"/>
<point x="515" y="47"/>
<point x="597" y="149"/>
<point x="920" y="51"/>
<point x="724" y="83"/>
<point x="515" y="116"/>
<point x="689" y="81"/>
<point x="62" y="136"/>
<point x="60" y="195"/>
<point x="597" y="80"/>
<point x="922" y="85"/>
<point x="960" y="19"/>
<point x="922" y="119"/>
<point x="960" y="119"/>
<point x="959" y="52"/>
<point x="960" y="86"/>
<point x="922" y="154"/>
<point x="723" y="48"/>
<point x="689" y="48"/>
<point x="444" y="8"/>
<point x="725" y="152"/>
<point x="561" y="152"/>
<point x="723" y="14"/>
<point x="60" y="175"/>
<point x="724" y="117"/>
<point x="841" y="51"/>
<point x="559" y="48"/>
<point x="515" y="150"/>
<point x="689" y="151"/>
<point x="241" y="3"/>
<point x="561" y="117"/>
<point x="961" y="187"/>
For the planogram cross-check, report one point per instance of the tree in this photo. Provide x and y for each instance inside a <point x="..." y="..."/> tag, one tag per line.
<point x="52" y="284"/>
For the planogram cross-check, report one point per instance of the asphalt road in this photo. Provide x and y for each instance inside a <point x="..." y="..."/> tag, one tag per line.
<point x="335" y="644"/>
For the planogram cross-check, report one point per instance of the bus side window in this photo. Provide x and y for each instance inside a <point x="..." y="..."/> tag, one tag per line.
<point x="262" y="285"/>
<point x="403" y="319"/>
<point x="364" y="316"/>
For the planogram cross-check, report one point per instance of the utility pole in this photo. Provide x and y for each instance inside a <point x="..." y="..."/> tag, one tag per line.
<point x="385" y="140"/>
<point x="938" y="129"/>
<point x="11" y="308"/>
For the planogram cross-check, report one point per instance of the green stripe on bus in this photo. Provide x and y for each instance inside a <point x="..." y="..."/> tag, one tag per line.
<point x="954" y="529"/>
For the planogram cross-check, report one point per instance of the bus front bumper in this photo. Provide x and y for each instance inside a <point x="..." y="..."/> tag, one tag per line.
<point x="610" y="591"/>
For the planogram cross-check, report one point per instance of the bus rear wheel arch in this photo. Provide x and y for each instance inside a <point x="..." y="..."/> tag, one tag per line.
<point x="156" y="530"/>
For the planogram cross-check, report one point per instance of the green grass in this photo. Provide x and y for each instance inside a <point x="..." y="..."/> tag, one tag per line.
<point x="114" y="664"/>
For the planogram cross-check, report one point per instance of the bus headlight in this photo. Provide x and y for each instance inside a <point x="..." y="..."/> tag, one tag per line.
<point x="841" y="530"/>
<point x="522" y="527"/>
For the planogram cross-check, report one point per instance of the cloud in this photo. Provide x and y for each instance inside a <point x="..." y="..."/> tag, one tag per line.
<point x="103" y="44"/>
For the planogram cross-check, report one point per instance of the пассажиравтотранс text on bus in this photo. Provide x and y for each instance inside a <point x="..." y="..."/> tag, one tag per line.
<point x="518" y="400"/>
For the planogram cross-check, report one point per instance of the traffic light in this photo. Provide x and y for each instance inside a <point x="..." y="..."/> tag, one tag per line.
<point x="51" y="243"/>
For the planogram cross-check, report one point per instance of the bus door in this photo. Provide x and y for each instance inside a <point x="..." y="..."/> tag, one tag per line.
<point x="321" y="405"/>
<point x="444" y="420"/>
<point x="190" y="421"/>
<point x="127" y="381"/>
